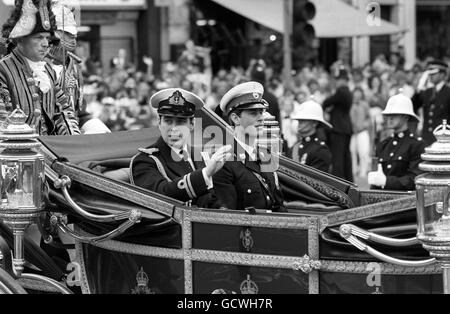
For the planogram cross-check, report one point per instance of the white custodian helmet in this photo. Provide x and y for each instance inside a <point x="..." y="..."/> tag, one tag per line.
<point x="310" y="110"/>
<point x="400" y="104"/>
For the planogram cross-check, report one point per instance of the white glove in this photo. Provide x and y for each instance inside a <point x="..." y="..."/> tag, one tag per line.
<point x="423" y="81"/>
<point x="377" y="178"/>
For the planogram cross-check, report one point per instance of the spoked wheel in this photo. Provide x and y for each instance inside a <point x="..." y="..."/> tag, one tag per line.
<point x="9" y="285"/>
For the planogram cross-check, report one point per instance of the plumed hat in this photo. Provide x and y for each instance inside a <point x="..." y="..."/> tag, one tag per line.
<point x="65" y="17"/>
<point x="29" y="17"/>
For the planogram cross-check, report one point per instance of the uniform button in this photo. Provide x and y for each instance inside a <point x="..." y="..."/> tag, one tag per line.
<point x="400" y="158"/>
<point x="249" y="191"/>
<point x="301" y="146"/>
<point x="389" y="166"/>
<point x="431" y="114"/>
<point x="432" y="106"/>
<point x="381" y="159"/>
<point x="401" y="135"/>
<point x="430" y="129"/>
<point x="395" y="143"/>
<point x="391" y="154"/>
<point x="267" y="198"/>
<point x="430" y="121"/>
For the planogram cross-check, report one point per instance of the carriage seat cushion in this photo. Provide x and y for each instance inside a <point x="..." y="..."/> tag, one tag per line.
<point x="122" y="174"/>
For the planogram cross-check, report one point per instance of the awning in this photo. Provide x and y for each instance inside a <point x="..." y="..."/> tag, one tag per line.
<point x="101" y="4"/>
<point x="334" y="18"/>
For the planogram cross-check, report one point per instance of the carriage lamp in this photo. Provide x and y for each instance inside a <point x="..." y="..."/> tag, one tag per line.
<point x="433" y="195"/>
<point x="21" y="181"/>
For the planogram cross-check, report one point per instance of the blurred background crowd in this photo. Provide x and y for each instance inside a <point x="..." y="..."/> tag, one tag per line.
<point x="120" y="97"/>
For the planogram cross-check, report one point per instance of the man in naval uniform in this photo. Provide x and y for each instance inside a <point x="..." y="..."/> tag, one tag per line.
<point x="26" y="80"/>
<point x="311" y="150"/>
<point x="171" y="167"/>
<point x="400" y="154"/>
<point x="433" y="98"/>
<point x="249" y="179"/>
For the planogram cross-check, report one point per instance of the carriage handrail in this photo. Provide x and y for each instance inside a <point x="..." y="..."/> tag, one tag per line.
<point x="59" y="286"/>
<point x="64" y="182"/>
<point x="345" y="232"/>
<point x="60" y="222"/>
<point x="371" y="236"/>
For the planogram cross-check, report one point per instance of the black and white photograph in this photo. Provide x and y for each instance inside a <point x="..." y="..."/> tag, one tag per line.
<point x="224" y="147"/>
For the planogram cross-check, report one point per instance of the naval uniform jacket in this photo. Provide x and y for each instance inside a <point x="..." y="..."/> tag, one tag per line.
<point x="18" y="90"/>
<point x="400" y="155"/>
<point x="186" y="184"/>
<point x="313" y="152"/>
<point x="436" y="107"/>
<point x="238" y="187"/>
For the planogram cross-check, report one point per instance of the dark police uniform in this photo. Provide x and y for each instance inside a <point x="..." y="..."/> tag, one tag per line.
<point x="436" y="107"/>
<point x="175" y="174"/>
<point x="435" y="102"/>
<point x="313" y="152"/>
<point x="339" y="137"/>
<point x="400" y="155"/>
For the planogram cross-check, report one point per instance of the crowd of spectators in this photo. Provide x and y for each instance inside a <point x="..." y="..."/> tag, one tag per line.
<point x="120" y="98"/>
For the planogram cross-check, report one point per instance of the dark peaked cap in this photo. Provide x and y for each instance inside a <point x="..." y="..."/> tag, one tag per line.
<point x="176" y="102"/>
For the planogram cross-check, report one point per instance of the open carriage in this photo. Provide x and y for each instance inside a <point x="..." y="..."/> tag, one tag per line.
<point x="336" y="237"/>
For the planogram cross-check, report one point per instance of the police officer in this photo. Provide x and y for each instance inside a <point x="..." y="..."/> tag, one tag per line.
<point x="311" y="150"/>
<point x="399" y="154"/>
<point x="434" y="99"/>
<point x="171" y="167"/>
<point x="248" y="180"/>
<point x="338" y="106"/>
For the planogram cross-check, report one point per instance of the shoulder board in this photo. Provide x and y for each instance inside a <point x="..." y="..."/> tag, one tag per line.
<point x="148" y="151"/>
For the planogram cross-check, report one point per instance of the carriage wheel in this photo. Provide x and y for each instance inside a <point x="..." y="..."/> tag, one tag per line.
<point x="9" y="285"/>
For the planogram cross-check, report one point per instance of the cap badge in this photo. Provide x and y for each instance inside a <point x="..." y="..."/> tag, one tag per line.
<point x="176" y="99"/>
<point x="255" y="95"/>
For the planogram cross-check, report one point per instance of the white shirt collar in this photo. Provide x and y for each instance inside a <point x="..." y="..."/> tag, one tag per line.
<point x="249" y="149"/>
<point x="178" y="150"/>
<point x="40" y="75"/>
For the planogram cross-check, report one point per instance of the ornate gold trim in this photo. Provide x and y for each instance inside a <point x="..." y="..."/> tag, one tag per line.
<point x="386" y="268"/>
<point x="370" y="211"/>
<point x="374" y="210"/>
<point x="187" y="246"/>
<point x="313" y="251"/>
<point x="237" y="218"/>
<point x="119" y="189"/>
<point x="80" y="260"/>
<point x="247" y="259"/>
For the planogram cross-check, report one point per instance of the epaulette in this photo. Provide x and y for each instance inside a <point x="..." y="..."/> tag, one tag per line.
<point x="148" y="151"/>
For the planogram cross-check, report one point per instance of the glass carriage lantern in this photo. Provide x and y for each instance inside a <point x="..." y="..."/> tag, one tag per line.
<point x="433" y="206"/>
<point x="21" y="181"/>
